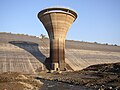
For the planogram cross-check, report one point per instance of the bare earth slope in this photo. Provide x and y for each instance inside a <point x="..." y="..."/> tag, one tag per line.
<point x="26" y="54"/>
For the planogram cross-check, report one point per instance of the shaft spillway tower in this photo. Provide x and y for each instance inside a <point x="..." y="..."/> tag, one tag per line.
<point x="57" y="21"/>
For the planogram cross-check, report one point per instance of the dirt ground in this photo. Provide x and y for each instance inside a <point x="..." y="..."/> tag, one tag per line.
<point x="98" y="77"/>
<point x="18" y="81"/>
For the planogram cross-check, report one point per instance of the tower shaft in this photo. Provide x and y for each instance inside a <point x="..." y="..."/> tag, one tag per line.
<point x="57" y="53"/>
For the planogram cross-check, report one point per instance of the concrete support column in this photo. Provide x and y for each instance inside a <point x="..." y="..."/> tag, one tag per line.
<point x="57" y="53"/>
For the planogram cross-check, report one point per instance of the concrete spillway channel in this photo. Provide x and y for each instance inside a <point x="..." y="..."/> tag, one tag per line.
<point x="26" y="54"/>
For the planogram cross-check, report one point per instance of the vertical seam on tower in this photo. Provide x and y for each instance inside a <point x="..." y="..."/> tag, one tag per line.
<point x="51" y="25"/>
<point x="58" y="53"/>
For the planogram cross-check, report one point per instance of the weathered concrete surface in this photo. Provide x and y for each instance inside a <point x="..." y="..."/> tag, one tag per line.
<point x="57" y="24"/>
<point x="26" y="54"/>
<point x="19" y="53"/>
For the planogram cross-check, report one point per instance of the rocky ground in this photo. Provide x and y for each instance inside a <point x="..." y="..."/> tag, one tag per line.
<point x="18" y="81"/>
<point x="98" y="77"/>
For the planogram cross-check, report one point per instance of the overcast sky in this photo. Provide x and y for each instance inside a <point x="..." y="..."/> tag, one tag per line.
<point x="98" y="20"/>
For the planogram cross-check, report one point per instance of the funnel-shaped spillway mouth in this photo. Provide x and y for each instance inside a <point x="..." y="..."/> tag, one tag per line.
<point x="64" y="10"/>
<point x="57" y="21"/>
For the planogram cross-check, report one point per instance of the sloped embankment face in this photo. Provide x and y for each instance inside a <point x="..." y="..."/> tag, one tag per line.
<point x="80" y="59"/>
<point x="20" y="53"/>
<point x="80" y="55"/>
<point x="26" y="54"/>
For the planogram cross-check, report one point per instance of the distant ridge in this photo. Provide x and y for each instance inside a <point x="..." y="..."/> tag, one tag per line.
<point x="26" y="54"/>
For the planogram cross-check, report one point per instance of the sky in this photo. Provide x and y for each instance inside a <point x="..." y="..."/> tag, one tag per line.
<point x="97" y="21"/>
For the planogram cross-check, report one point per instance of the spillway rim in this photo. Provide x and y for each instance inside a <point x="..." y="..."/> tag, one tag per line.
<point x="42" y="12"/>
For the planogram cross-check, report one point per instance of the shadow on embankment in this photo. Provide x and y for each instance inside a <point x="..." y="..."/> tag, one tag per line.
<point x="32" y="48"/>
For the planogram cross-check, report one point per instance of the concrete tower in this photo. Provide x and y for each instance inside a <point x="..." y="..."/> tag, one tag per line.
<point x="57" y="21"/>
